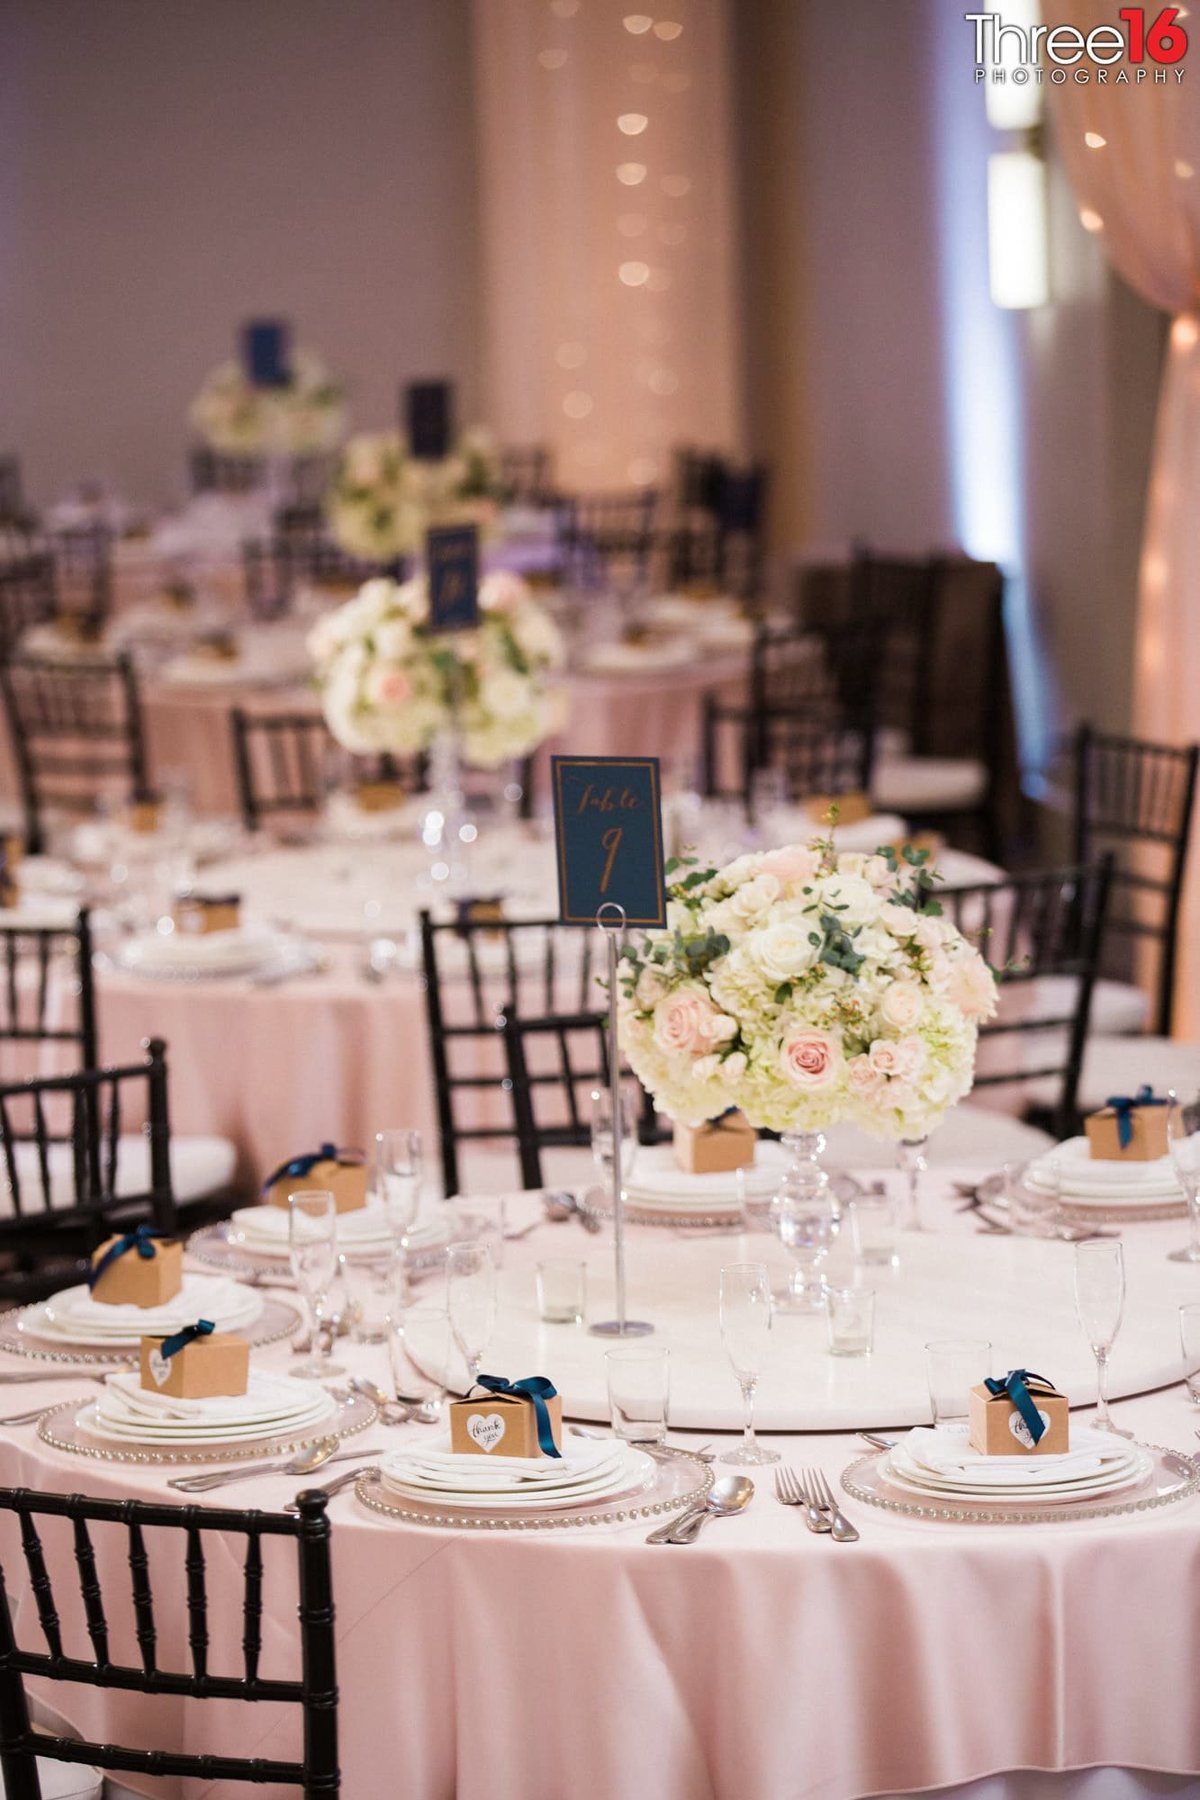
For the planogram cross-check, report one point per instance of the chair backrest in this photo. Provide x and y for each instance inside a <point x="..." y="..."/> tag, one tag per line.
<point x="173" y="1629"/>
<point x="900" y="596"/>
<point x="1034" y="929"/>
<point x="525" y="473"/>
<point x="819" y="756"/>
<point x="1135" y="796"/>
<point x="288" y="763"/>
<point x="300" y="553"/>
<point x="475" y="973"/>
<point x="77" y="733"/>
<point x="607" y="536"/>
<point x="12" y="494"/>
<point x="28" y="594"/>
<point x="62" y="1186"/>
<point x="36" y="963"/>
<point x="222" y="472"/>
<point x="554" y="1064"/>
<point x="83" y="570"/>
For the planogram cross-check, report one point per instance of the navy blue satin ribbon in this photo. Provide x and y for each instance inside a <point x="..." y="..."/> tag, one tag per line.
<point x="304" y="1165"/>
<point x="535" y="1388"/>
<point x="140" y="1240"/>
<point x="189" y="1334"/>
<point x="1123" y="1105"/>
<point x="1014" y="1384"/>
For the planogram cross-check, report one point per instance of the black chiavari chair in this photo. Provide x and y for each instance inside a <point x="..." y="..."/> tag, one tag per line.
<point x="28" y="590"/>
<point x="525" y="474"/>
<point x="741" y="522"/>
<point x="1137" y="798"/>
<point x="555" y="1063"/>
<point x="287" y="764"/>
<point x="77" y="733"/>
<point x="818" y="757"/>
<point x="83" y="571"/>
<point x="13" y="510"/>
<point x="475" y="972"/>
<point x="1043" y="928"/>
<point x="63" y="1180"/>
<point x="174" y="1632"/>
<point x="607" y="537"/>
<point x="37" y="962"/>
<point x="223" y="472"/>
<point x="300" y="553"/>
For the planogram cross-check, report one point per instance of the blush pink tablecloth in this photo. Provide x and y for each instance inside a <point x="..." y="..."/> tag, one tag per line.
<point x="762" y="1662"/>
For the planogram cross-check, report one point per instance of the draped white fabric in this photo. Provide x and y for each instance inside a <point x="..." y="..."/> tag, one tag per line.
<point x="608" y="234"/>
<point x="1133" y="155"/>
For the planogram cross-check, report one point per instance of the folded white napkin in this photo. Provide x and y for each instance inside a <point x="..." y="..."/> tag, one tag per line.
<point x="442" y="1469"/>
<point x="948" y="1456"/>
<point x="214" y="1297"/>
<point x="268" y="1398"/>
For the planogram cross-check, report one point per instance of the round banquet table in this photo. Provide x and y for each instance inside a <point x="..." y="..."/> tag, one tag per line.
<point x="761" y="1661"/>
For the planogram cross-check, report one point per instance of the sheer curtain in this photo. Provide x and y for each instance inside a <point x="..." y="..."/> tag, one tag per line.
<point x="1133" y="155"/>
<point x="607" y="168"/>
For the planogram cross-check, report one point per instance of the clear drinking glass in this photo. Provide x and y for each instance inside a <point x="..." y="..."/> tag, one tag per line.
<point x="1189" y="1343"/>
<point x="397" y="1181"/>
<point x="807" y="1226"/>
<point x="312" y="1249"/>
<point x="602" y="1134"/>
<point x="1034" y="1207"/>
<point x="1183" y="1143"/>
<point x="954" y="1366"/>
<point x="366" y="1287"/>
<point x="561" y="1290"/>
<point x="1100" y="1302"/>
<point x="873" y="1230"/>
<point x="768" y="795"/>
<point x="850" y="1315"/>
<point x="471" y="1301"/>
<point x="910" y="1155"/>
<point x="639" y="1387"/>
<point x="745" y="1332"/>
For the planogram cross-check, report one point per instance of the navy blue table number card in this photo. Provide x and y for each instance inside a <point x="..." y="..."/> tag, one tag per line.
<point x="265" y="352"/>
<point x="608" y="837"/>
<point x="452" y="564"/>
<point x="428" y="419"/>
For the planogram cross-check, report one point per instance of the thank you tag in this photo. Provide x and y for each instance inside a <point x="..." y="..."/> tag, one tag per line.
<point x="487" y="1429"/>
<point x="608" y="833"/>
<point x="160" y="1367"/>
<point x="1021" y="1431"/>
<point x="452" y="562"/>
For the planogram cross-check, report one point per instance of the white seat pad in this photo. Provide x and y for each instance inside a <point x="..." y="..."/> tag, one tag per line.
<point x="919" y="784"/>
<point x="1118" y="1008"/>
<point x="199" y="1166"/>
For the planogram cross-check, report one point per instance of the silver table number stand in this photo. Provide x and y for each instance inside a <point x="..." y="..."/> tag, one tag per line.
<point x="611" y="921"/>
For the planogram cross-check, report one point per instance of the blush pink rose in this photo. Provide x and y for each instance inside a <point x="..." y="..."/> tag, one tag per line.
<point x="388" y="686"/>
<point x="796" y="864"/>
<point x="864" y="1078"/>
<point x="683" y="1022"/>
<point x="972" y="987"/>
<point x="811" y="1060"/>
<point x="885" y="1059"/>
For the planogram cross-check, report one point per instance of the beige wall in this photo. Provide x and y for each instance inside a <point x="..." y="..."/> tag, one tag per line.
<point x="169" y="168"/>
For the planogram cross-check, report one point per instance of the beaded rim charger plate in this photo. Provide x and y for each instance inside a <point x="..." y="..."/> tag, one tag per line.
<point x="211" y="1245"/>
<point x="1156" y="1212"/>
<point x="728" y="1213"/>
<point x="64" y="1428"/>
<point x="277" y="1320"/>
<point x="681" y="1480"/>
<point x="1173" y="1476"/>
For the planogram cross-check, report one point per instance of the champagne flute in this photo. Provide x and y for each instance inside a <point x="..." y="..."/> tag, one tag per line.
<point x="398" y="1174"/>
<point x="745" y="1327"/>
<point x="312" y="1251"/>
<point x="1184" y="1147"/>
<point x="471" y="1302"/>
<point x="1100" y="1301"/>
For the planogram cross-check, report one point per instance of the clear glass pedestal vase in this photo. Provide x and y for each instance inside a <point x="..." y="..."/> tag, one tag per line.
<point x="447" y="831"/>
<point x="806" y="1218"/>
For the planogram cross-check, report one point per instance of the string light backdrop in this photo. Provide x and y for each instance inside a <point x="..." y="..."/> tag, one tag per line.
<point x="608" y="236"/>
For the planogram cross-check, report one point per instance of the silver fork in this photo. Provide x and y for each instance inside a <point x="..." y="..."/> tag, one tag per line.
<point x="840" y="1528"/>
<point x="788" y="1493"/>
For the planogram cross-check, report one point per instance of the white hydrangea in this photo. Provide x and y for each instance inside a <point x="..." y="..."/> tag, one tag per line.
<point x="303" y="418"/>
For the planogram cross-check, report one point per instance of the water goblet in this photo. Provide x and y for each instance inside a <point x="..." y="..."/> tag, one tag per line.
<point x="471" y="1302"/>
<point x="1183" y="1145"/>
<point x="312" y="1252"/>
<point x="397" y="1182"/>
<point x="954" y="1366"/>
<point x="745" y="1332"/>
<point x="807" y="1225"/>
<point x="1100" y="1302"/>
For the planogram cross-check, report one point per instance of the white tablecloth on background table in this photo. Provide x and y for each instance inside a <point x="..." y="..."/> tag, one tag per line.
<point x="761" y="1662"/>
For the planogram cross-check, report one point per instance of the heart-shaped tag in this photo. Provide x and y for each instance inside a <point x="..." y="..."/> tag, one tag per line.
<point x="1021" y="1431"/>
<point x="487" y="1429"/>
<point x="160" y="1367"/>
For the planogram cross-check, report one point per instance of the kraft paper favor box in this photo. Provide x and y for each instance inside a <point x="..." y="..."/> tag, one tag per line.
<point x="198" y="914"/>
<point x="1145" y="1130"/>
<point x="501" y="1424"/>
<point x="143" y="817"/>
<point x="136" y="1280"/>
<point x="851" y="808"/>
<point x="342" y="1172"/>
<point x="380" y="796"/>
<point x="208" y="1366"/>
<point x="996" y="1428"/>
<point x="717" y="1148"/>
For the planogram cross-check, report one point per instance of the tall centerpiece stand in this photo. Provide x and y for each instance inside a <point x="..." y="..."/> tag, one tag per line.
<point x="610" y="921"/>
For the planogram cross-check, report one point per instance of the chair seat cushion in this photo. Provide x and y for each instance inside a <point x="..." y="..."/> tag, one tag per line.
<point x="1118" y="1008"/>
<point x="199" y="1166"/>
<point x="70" y="1781"/>
<point x="922" y="784"/>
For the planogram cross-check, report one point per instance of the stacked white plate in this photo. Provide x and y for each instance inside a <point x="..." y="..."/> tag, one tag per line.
<point x="237" y="952"/>
<point x="75" y="1318"/>
<point x="656" y="1183"/>
<point x="272" y="1406"/>
<point x="265" y="1231"/>
<point x="940" y="1463"/>
<point x="585" y="1475"/>
<point x="1081" y="1180"/>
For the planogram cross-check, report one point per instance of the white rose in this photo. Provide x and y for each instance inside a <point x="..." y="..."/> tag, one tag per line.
<point x="901" y="1005"/>
<point x="506" y="694"/>
<point x="782" y="951"/>
<point x="901" y="921"/>
<point x="851" y="899"/>
<point x="754" y="899"/>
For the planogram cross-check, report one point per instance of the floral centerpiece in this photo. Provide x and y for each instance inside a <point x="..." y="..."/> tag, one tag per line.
<point x="806" y="988"/>
<point x="383" y="500"/>
<point x="303" y="418"/>
<point x="389" y="683"/>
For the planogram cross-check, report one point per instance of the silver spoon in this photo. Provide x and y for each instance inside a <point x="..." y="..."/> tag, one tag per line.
<point x="426" y="1412"/>
<point x="732" y="1494"/>
<point x="301" y="1464"/>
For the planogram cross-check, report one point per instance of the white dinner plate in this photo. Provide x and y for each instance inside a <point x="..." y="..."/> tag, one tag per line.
<point x="656" y="1178"/>
<point x="632" y="1473"/>
<point x="74" y="1317"/>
